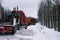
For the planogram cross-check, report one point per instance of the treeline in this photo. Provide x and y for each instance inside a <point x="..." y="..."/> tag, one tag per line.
<point x="3" y="13"/>
<point x="49" y="14"/>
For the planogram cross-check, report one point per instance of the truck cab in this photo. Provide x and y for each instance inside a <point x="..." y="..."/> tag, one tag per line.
<point x="22" y="18"/>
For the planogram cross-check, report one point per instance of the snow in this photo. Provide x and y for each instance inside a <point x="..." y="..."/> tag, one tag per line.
<point x="43" y="33"/>
<point x="33" y="32"/>
<point x="53" y="2"/>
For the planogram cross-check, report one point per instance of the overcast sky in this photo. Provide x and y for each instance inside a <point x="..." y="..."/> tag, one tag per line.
<point x="30" y="7"/>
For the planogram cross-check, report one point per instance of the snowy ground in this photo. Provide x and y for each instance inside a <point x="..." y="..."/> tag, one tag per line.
<point x="34" y="32"/>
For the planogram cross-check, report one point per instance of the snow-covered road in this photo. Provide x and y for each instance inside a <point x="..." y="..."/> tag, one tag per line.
<point x="34" y="32"/>
<point x="24" y="34"/>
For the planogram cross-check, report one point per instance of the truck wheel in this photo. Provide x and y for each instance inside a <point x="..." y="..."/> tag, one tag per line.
<point x="18" y="27"/>
<point x="25" y="27"/>
<point x="14" y="31"/>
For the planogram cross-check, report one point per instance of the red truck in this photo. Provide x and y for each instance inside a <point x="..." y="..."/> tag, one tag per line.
<point x="15" y="21"/>
<point x="22" y="18"/>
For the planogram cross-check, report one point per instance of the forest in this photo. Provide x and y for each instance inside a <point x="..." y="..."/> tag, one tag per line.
<point x="49" y="14"/>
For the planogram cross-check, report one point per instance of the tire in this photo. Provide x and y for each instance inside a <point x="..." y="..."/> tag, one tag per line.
<point x="25" y="27"/>
<point x="14" y="31"/>
<point x="18" y="27"/>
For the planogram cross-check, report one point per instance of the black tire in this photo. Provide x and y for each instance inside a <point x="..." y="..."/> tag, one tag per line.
<point x="25" y="27"/>
<point x="14" y="31"/>
<point x="18" y="27"/>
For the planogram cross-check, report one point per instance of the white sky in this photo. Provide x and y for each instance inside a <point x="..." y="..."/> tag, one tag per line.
<point x="30" y="7"/>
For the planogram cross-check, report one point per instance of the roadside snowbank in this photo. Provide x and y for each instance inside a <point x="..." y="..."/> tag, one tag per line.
<point x="43" y="33"/>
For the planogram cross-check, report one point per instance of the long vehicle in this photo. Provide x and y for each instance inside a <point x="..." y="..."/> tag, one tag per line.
<point x="15" y="21"/>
